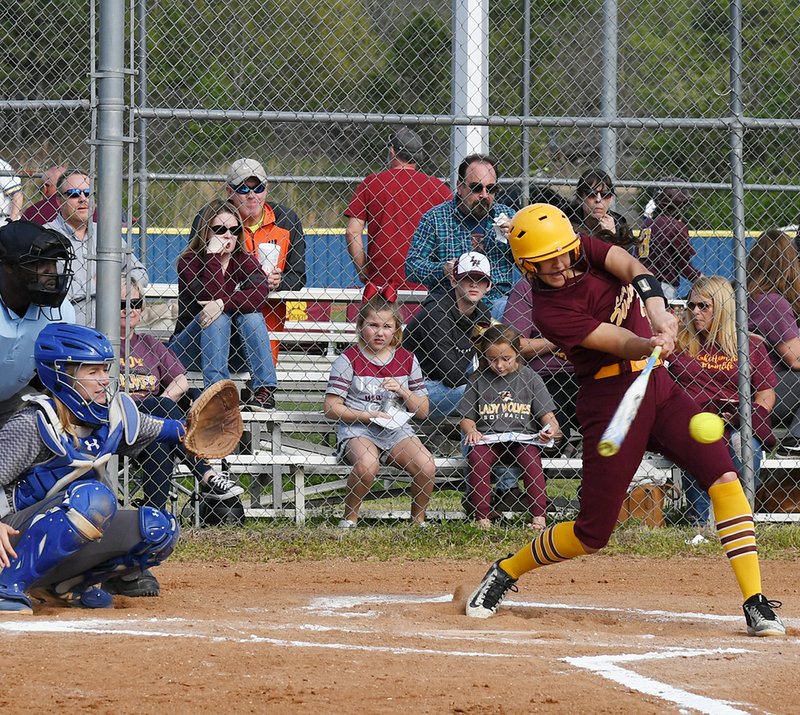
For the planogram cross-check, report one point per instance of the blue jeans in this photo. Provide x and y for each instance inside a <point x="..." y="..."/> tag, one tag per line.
<point x="157" y="458"/>
<point x="443" y="399"/>
<point x="698" y="499"/>
<point x="209" y="349"/>
<point x="499" y="308"/>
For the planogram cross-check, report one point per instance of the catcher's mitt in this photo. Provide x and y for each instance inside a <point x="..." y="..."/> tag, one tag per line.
<point x="214" y="423"/>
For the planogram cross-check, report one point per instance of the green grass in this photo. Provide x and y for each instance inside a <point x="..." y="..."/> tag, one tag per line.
<point x="280" y="540"/>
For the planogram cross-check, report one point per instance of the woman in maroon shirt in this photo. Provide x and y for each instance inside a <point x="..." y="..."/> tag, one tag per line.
<point x="706" y="364"/>
<point x="222" y="288"/>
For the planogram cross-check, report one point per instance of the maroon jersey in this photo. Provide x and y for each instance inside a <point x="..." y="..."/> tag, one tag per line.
<point x="568" y="315"/>
<point x="712" y="377"/>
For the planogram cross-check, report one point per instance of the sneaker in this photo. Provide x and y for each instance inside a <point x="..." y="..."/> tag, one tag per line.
<point x="134" y="585"/>
<point x="92" y="597"/>
<point x="789" y="446"/>
<point x="486" y="599"/>
<point x="263" y="397"/>
<point x="220" y="486"/>
<point x="761" y="618"/>
<point x="346" y="524"/>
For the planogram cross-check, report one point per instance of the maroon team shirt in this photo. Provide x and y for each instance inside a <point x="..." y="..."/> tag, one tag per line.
<point x="568" y="315"/>
<point x="392" y="203"/>
<point x="666" y="250"/>
<point x="152" y="366"/>
<point x="712" y="377"/>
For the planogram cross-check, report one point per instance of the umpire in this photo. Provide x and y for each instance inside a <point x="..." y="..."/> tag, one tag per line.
<point x="35" y="275"/>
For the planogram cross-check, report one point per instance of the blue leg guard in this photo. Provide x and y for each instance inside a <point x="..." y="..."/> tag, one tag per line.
<point x="159" y="533"/>
<point x="53" y="536"/>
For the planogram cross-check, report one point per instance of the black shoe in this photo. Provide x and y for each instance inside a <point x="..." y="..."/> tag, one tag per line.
<point x="134" y="585"/>
<point x="220" y="486"/>
<point x="263" y="397"/>
<point x="761" y="617"/>
<point x="490" y="593"/>
<point x="789" y="446"/>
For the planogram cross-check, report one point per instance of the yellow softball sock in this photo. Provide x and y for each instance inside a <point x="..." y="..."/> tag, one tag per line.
<point x="734" y="522"/>
<point x="556" y="543"/>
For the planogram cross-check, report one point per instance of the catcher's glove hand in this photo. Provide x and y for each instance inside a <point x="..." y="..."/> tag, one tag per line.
<point x="214" y="423"/>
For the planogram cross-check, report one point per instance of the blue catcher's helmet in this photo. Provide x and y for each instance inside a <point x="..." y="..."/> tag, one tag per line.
<point x="60" y="344"/>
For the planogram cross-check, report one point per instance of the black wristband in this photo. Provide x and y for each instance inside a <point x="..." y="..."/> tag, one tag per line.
<point x="648" y="286"/>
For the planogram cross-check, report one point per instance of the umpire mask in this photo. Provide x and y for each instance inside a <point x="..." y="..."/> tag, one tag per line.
<point x="43" y="260"/>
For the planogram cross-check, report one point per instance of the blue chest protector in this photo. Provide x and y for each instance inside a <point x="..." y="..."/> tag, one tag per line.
<point x="71" y="462"/>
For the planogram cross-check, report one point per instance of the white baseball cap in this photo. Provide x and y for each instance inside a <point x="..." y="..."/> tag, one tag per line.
<point x="243" y="169"/>
<point x="473" y="264"/>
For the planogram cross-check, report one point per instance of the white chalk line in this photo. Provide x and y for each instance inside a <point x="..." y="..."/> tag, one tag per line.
<point x="84" y="627"/>
<point x="606" y="667"/>
<point x="338" y="605"/>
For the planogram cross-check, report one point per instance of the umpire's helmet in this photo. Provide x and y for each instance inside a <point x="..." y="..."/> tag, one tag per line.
<point x="539" y="232"/>
<point x="23" y="245"/>
<point x="61" y="344"/>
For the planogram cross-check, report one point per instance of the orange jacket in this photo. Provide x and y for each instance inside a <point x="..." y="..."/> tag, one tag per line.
<point x="282" y="226"/>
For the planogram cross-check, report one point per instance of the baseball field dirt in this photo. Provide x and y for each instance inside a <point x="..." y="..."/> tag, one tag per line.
<point x="595" y="635"/>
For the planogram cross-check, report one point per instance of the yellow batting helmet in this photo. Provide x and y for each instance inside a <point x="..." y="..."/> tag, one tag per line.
<point x="539" y="232"/>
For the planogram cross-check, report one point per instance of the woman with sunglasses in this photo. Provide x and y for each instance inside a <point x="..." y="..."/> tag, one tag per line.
<point x="222" y="290"/>
<point x="706" y="364"/>
<point x="592" y="214"/>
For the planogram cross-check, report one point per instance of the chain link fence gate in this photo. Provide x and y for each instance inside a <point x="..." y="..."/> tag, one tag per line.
<point x="313" y="93"/>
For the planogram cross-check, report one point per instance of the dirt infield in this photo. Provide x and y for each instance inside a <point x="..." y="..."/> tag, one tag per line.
<point x="598" y="635"/>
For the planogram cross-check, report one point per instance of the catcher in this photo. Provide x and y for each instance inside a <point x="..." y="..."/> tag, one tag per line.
<point x="61" y="532"/>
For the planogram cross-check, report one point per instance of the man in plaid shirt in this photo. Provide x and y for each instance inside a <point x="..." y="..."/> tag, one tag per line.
<point x="467" y="223"/>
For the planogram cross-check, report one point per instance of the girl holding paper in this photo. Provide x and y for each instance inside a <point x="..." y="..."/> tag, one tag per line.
<point x="373" y="390"/>
<point x="506" y="411"/>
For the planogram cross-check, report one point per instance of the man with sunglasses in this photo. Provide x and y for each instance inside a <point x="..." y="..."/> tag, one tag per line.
<point x="268" y="222"/>
<point x="74" y="191"/>
<point x="390" y="204"/>
<point x="472" y="221"/>
<point x="35" y="273"/>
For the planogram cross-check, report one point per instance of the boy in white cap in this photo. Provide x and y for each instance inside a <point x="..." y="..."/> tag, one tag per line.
<point x="440" y="334"/>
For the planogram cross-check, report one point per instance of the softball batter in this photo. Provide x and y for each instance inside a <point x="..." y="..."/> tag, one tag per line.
<point x="607" y="313"/>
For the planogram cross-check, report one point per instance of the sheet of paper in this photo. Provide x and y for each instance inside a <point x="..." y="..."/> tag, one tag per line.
<point x="536" y="439"/>
<point x="397" y="418"/>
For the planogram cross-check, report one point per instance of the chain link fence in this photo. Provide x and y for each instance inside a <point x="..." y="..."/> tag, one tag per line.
<point x="314" y="92"/>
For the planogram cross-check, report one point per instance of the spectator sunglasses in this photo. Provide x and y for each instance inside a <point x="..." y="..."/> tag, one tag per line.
<point x="133" y="304"/>
<point x="76" y="193"/>
<point x="221" y="230"/>
<point x="244" y="189"/>
<point x="691" y="305"/>
<point x="477" y="188"/>
<point x="607" y="194"/>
